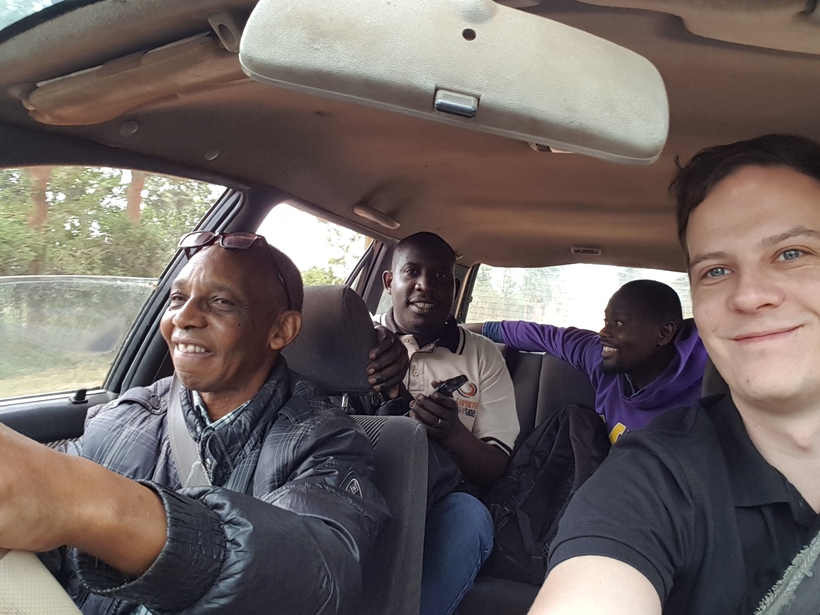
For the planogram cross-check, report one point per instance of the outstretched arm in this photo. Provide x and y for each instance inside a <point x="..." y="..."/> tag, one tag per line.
<point x="592" y="584"/>
<point x="49" y="499"/>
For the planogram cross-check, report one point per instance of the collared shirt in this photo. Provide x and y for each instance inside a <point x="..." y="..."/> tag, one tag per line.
<point x="691" y="504"/>
<point x="486" y="402"/>
<point x="202" y="409"/>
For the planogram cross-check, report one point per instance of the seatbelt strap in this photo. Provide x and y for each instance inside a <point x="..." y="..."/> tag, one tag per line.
<point x="183" y="448"/>
<point x="798" y="590"/>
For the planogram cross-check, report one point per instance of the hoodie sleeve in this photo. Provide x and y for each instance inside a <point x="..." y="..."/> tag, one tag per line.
<point x="579" y="347"/>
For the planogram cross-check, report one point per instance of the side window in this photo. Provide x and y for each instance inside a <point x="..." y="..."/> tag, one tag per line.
<point x="568" y="295"/>
<point x="81" y="249"/>
<point x="325" y="253"/>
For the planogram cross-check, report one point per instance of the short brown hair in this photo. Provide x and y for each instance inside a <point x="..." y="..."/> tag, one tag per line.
<point x="707" y="168"/>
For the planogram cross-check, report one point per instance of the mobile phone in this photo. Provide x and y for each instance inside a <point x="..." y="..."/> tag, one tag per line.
<point x="449" y="386"/>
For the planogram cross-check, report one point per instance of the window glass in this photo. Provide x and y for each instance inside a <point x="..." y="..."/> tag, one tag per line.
<point x="568" y="295"/>
<point x="80" y="250"/>
<point x="15" y="10"/>
<point x="324" y="252"/>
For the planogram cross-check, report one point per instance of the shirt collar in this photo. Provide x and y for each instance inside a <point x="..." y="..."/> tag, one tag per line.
<point x="449" y="337"/>
<point x="754" y="481"/>
<point x="202" y="409"/>
<point x="227" y="439"/>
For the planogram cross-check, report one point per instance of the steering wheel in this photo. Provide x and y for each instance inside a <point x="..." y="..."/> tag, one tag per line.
<point x="28" y="588"/>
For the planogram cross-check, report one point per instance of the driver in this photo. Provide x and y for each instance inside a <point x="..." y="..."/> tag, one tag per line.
<point x="281" y="512"/>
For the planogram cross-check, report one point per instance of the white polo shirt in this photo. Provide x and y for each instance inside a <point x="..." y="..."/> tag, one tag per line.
<point x="486" y="402"/>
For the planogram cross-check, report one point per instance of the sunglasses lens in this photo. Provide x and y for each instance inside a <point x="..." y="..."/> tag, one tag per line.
<point x="196" y="239"/>
<point x="238" y="241"/>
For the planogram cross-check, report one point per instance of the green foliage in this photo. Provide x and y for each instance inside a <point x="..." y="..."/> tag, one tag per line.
<point x="339" y="266"/>
<point x="87" y="230"/>
<point x="316" y="276"/>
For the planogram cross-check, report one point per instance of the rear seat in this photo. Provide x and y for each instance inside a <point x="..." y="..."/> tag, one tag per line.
<point x="543" y="385"/>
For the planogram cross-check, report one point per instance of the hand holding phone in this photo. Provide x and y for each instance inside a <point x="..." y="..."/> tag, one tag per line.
<point x="449" y="386"/>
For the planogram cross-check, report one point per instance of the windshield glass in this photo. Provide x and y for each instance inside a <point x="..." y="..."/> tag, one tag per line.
<point x="12" y="11"/>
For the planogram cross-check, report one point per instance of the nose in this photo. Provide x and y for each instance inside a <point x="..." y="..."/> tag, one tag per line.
<point x="604" y="332"/>
<point x="754" y="290"/>
<point x="423" y="282"/>
<point x="189" y="314"/>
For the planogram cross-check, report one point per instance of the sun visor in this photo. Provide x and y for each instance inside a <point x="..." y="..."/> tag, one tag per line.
<point x="471" y="63"/>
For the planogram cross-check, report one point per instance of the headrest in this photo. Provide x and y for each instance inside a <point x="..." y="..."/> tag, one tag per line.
<point x="337" y="335"/>
<point x="713" y="382"/>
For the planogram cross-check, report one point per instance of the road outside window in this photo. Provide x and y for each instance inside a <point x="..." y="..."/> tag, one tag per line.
<point x="325" y="253"/>
<point x="81" y="249"/>
<point x="568" y="295"/>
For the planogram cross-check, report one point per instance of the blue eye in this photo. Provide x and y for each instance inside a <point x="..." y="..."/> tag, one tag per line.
<point x="716" y="272"/>
<point x="790" y="255"/>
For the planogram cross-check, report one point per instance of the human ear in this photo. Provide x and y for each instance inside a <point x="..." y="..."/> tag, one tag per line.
<point x="666" y="333"/>
<point x="387" y="280"/>
<point x="285" y="329"/>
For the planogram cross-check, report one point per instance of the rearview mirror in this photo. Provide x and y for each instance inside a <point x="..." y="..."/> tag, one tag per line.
<point x="472" y="63"/>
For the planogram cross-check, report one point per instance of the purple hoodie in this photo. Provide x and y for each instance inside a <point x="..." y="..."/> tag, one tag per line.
<point x="679" y="385"/>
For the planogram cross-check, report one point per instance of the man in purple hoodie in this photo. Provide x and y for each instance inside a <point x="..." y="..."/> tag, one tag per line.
<point x="647" y="358"/>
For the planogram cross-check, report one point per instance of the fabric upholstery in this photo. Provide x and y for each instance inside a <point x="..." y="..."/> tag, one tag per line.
<point x="337" y="335"/>
<point x="393" y="578"/>
<point x="713" y="382"/>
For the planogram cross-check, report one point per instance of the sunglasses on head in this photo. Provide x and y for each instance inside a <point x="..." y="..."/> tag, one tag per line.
<point x="191" y="243"/>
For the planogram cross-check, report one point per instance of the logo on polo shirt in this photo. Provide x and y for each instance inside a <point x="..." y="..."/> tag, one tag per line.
<point x="468" y="390"/>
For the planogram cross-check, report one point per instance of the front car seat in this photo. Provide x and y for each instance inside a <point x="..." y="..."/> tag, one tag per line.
<point x="332" y="350"/>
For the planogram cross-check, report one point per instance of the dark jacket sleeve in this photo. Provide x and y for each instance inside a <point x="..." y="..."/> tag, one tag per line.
<point x="296" y="547"/>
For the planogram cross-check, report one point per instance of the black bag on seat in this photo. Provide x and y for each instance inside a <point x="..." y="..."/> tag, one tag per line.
<point x="544" y="473"/>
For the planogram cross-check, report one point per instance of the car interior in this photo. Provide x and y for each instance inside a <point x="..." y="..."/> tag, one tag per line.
<point x="527" y="133"/>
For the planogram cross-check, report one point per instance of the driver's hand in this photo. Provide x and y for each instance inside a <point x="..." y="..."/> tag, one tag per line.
<point x="388" y="362"/>
<point x="36" y="507"/>
<point x="49" y="499"/>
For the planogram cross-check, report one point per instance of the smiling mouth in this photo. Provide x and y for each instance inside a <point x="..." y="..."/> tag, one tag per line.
<point x="608" y="351"/>
<point x="422" y="306"/>
<point x="190" y="349"/>
<point x="764" y="336"/>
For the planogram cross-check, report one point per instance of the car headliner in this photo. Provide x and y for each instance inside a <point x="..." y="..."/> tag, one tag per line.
<point x="496" y="200"/>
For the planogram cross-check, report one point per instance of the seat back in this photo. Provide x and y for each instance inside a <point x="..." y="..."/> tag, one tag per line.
<point x="713" y="382"/>
<point x="544" y="384"/>
<point x="332" y="350"/>
<point x="337" y="335"/>
<point x="392" y="582"/>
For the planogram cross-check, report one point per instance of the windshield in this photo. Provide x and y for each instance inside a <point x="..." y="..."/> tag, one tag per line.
<point x="12" y="11"/>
